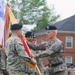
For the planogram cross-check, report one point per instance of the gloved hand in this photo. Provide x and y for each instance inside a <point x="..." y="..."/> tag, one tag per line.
<point x="34" y="61"/>
<point x="32" y="55"/>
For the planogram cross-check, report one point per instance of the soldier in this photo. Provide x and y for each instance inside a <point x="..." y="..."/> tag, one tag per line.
<point x="40" y="61"/>
<point x="29" y="37"/>
<point x="16" y="55"/>
<point x="3" y="70"/>
<point x="32" y="38"/>
<point x="54" y="52"/>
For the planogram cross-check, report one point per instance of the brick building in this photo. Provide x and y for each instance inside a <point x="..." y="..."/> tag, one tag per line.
<point x="66" y="33"/>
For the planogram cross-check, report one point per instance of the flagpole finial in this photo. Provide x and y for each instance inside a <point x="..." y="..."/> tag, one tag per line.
<point x="8" y="3"/>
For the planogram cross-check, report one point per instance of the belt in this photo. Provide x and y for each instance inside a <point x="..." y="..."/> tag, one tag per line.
<point x="56" y="64"/>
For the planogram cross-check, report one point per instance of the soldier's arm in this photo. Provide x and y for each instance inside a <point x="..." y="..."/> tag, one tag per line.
<point x="36" y="46"/>
<point x="53" y="49"/>
<point x="3" y="62"/>
<point x="3" y="59"/>
<point x="22" y="53"/>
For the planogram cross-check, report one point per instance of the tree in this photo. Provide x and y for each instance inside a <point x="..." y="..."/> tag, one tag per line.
<point x="47" y="18"/>
<point x="33" y="11"/>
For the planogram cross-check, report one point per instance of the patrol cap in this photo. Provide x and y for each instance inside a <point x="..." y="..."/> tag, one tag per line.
<point x="51" y="27"/>
<point x="16" y="26"/>
<point x="29" y="33"/>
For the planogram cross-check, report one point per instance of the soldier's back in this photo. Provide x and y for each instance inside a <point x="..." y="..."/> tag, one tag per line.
<point x="14" y="62"/>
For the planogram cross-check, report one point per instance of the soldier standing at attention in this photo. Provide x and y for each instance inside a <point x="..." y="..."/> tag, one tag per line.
<point x="16" y="55"/>
<point x="54" y="52"/>
<point x="3" y="70"/>
<point x="40" y="61"/>
<point x="29" y="37"/>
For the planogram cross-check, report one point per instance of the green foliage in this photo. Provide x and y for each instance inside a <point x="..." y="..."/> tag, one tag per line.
<point x="33" y="11"/>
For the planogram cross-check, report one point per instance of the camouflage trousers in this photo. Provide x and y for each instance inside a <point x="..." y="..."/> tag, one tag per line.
<point x="17" y="73"/>
<point x="1" y="73"/>
<point x="29" y="70"/>
<point x="20" y="73"/>
<point x="57" y="73"/>
<point x="30" y="73"/>
<point x="40" y="64"/>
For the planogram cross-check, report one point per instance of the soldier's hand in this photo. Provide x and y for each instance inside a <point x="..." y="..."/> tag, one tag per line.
<point x="34" y="61"/>
<point x="32" y="56"/>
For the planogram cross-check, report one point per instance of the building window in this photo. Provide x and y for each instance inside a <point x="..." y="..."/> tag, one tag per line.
<point x="68" y="60"/>
<point x="42" y="39"/>
<point x="69" y="42"/>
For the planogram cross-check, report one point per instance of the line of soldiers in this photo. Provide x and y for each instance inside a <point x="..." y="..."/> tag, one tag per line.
<point x="17" y="56"/>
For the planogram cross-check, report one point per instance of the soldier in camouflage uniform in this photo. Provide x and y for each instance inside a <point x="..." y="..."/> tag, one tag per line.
<point x="40" y="61"/>
<point x="32" y="38"/>
<point x="3" y="70"/>
<point x="54" y="52"/>
<point x="29" y="37"/>
<point x="16" y="56"/>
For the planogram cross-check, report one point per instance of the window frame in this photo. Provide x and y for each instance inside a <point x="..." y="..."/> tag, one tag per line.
<point x="71" y="42"/>
<point x="66" y="59"/>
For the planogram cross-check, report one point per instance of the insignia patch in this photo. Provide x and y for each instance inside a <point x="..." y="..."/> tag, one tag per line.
<point x="54" y="47"/>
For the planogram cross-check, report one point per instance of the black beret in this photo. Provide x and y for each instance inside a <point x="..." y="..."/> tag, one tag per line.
<point x="16" y="26"/>
<point x="34" y="36"/>
<point x="29" y="33"/>
<point x="72" y="64"/>
<point x="50" y="28"/>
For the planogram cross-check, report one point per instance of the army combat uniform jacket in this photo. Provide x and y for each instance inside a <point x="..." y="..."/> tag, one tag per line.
<point x="16" y="56"/>
<point x="54" y="52"/>
<point x="2" y="61"/>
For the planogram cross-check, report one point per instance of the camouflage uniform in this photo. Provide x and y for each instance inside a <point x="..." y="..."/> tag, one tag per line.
<point x="71" y="71"/>
<point x="16" y="56"/>
<point x="2" y="61"/>
<point x="39" y="61"/>
<point x="34" y="50"/>
<point x="54" y="53"/>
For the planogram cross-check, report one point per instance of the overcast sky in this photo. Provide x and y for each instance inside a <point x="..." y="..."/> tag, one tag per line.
<point x="65" y="8"/>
